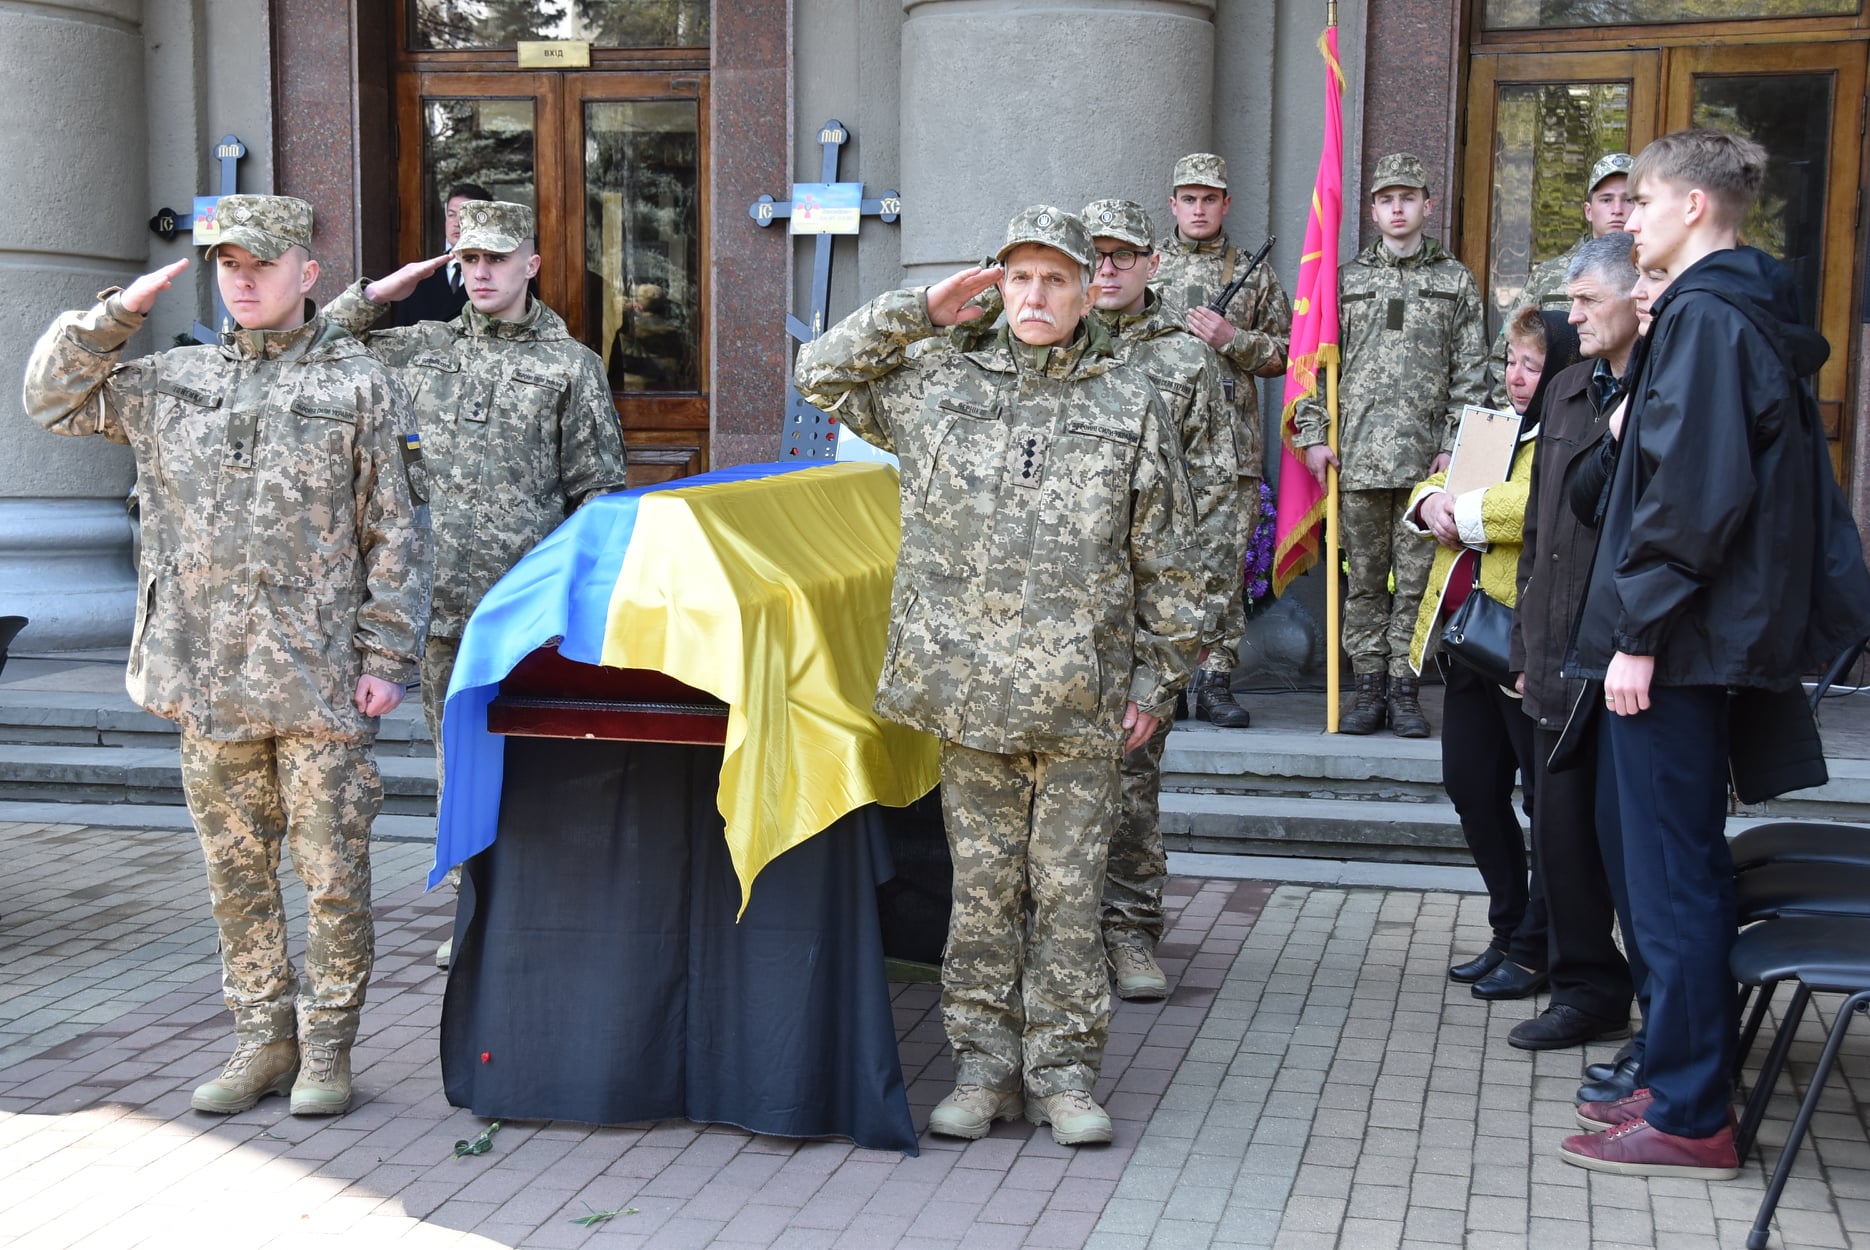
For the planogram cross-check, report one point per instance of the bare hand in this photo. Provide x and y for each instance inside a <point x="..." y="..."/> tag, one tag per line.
<point x="402" y="283"/>
<point x="140" y="296"/>
<point x="1317" y="457"/>
<point x="1210" y="327"/>
<point x="1519" y="683"/>
<point x="1626" y="683"/>
<point x="1140" y="724"/>
<point x="948" y="299"/>
<point x="376" y="697"/>
<point x="1616" y="418"/>
<point x="1439" y="464"/>
<point x="1436" y="513"/>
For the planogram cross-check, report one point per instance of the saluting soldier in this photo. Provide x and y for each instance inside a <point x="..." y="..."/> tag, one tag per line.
<point x="516" y="418"/>
<point x="1197" y="262"/>
<point x="1607" y="205"/>
<point x="1188" y="375"/>
<point x="1045" y="604"/>
<point x="283" y="594"/>
<point x="1415" y="354"/>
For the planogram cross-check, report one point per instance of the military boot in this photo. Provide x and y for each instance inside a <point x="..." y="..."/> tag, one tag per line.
<point x="1366" y="716"/>
<point x="1405" y="710"/>
<point x="324" y="1084"/>
<point x="1137" y="975"/>
<point x="1074" y="1115"/>
<point x="969" y="1112"/>
<point x="255" y="1070"/>
<point x="1215" y="703"/>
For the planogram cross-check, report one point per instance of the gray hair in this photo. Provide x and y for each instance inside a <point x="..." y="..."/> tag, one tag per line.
<point x="1607" y="259"/>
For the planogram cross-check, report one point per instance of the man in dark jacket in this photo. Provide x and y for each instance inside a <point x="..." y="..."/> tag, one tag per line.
<point x="1591" y="985"/>
<point x="1725" y="559"/>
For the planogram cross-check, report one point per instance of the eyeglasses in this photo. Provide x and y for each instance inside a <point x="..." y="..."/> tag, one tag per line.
<point x="1123" y="258"/>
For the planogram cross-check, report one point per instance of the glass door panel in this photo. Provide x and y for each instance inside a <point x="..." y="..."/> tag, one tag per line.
<point x="1536" y="125"/>
<point x="451" y="24"/>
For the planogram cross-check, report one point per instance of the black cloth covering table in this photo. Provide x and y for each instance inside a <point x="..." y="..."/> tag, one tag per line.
<point x="599" y="974"/>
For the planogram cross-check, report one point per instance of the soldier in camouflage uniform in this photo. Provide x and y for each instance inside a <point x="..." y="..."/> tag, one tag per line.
<point x="516" y="418"/>
<point x="1415" y="353"/>
<point x="1044" y="613"/>
<point x="1197" y="262"/>
<point x="1607" y="204"/>
<point x="283" y="594"/>
<point x="1187" y="373"/>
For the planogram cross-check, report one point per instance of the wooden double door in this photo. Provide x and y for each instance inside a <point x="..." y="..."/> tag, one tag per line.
<point x="1537" y="121"/>
<point x="616" y="165"/>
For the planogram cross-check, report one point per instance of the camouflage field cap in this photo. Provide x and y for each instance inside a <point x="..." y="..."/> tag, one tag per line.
<point x="1614" y="163"/>
<point x="495" y="226"/>
<point x="265" y="225"/>
<point x="1399" y="169"/>
<point x="1200" y="169"/>
<point x="1119" y="219"/>
<point x="1054" y="227"/>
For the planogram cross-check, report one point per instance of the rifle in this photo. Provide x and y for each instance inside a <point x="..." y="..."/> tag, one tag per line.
<point x="1220" y="302"/>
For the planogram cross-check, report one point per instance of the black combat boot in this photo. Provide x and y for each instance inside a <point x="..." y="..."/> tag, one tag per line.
<point x="1405" y="711"/>
<point x="1215" y="702"/>
<point x="1367" y="716"/>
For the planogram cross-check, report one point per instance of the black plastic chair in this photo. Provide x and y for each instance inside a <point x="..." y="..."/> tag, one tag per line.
<point x="1825" y="954"/>
<point x="1782" y="889"/>
<point x="1800" y="842"/>
<point x="9" y="629"/>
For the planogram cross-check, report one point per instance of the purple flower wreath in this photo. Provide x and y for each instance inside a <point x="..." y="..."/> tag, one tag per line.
<point x="1256" y="567"/>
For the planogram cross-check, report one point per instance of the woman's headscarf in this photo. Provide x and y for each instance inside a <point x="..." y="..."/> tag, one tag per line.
<point x="1561" y="350"/>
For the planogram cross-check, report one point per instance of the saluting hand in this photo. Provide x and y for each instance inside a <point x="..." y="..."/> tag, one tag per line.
<point x="948" y="299"/>
<point x="140" y="296"/>
<point x="402" y="283"/>
<point x="1210" y="327"/>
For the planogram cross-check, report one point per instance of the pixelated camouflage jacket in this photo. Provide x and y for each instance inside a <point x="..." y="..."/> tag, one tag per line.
<point x="1414" y="352"/>
<point x="1049" y="572"/>
<point x="1187" y="374"/>
<point x="1194" y="273"/>
<point x="285" y="540"/>
<point x="1546" y="291"/>
<point x="518" y="429"/>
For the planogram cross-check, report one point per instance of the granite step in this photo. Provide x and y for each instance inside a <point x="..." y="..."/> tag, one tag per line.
<point x="67" y="773"/>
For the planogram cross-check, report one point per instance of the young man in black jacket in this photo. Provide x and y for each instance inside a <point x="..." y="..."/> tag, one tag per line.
<point x="1726" y="559"/>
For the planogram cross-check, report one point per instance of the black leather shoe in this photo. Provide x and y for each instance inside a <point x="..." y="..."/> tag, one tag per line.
<point x="1477" y="967"/>
<point x="1604" y="1071"/>
<point x="1560" y="1026"/>
<point x="1509" y="980"/>
<point x="1621" y="1083"/>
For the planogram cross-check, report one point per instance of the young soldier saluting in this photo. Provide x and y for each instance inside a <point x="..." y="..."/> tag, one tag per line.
<point x="1415" y="354"/>
<point x="1188" y="375"/>
<point x="283" y="595"/>
<point x="1197" y="262"/>
<point x="516" y="419"/>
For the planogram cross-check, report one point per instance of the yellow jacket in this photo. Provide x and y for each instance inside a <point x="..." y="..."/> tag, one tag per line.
<point x="1492" y="522"/>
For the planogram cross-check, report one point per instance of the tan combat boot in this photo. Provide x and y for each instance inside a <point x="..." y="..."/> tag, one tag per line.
<point x="969" y="1112"/>
<point x="1367" y="716"/>
<point x="324" y="1084"/>
<point x="255" y="1070"/>
<point x="1406" y="717"/>
<point x="1137" y="975"/>
<point x="1074" y="1115"/>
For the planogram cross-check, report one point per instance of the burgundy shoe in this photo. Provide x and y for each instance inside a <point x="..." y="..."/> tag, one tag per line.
<point x="1595" y="1117"/>
<point x="1638" y="1149"/>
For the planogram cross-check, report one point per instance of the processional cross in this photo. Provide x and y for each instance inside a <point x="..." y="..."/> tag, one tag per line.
<point x="823" y="208"/>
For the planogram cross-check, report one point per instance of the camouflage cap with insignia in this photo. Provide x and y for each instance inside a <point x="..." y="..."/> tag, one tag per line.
<point x="1053" y="227"/>
<point x="265" y="225"/>
<point x="495" y="226"/>
<point x="1119" y="219"/>
<point x="1613" y="163"/>
<point x="1399" y="169"/>
<point x="1200" y="169"/>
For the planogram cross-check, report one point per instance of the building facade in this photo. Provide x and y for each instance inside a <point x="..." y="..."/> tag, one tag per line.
<point x="645" y="162"/>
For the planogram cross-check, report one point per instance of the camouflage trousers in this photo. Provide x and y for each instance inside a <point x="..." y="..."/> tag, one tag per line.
<point x="1026" y="1001"/>
<point x="318" y="797"/>
<point x="1378" y="625"/>
<point x="438" y="665"/>
<point x="1223" y="637"/>
<point x="1138" y="866"/>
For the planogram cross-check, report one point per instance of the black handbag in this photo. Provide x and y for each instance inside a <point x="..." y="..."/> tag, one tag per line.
<point x="1480" y="635"/>
<point x="1773" y="745"/>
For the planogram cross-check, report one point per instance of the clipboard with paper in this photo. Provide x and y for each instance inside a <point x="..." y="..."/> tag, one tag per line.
<point x="1483" y="449"/>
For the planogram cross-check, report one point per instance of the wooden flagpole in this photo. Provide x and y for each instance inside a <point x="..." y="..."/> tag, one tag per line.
<point x="1334" y="646"/>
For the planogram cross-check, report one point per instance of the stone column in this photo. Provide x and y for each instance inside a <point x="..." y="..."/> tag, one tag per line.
<point x="71" y="222"/>
<point x="1007" y="103"/>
